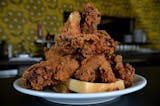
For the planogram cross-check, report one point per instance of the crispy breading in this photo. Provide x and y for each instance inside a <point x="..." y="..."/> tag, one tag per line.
<point x="72" y="26"/>
<point x="90" y="19"/>
<point x="124" y="71"/>
<point x="66" y="66"/>
<point x="38" y="76"/>
<point x="95" y="68"/>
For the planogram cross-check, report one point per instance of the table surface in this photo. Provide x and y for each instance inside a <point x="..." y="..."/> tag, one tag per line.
<point x="148" y="96"/>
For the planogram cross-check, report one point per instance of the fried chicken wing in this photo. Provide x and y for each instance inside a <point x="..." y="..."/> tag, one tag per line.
<point x="72" y="26"/>
<point x="69" y="31"/>
<point x="90" y="19"/>
<point x="124" y="71"/>
<point x="106" y="72"/>
<point x="87" y="71"/>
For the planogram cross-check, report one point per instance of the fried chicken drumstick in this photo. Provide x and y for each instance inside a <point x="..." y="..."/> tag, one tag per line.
<point x="81" y="51"/>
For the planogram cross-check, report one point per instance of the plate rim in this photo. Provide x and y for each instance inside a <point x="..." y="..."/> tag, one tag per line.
<point x="43" y="94"/>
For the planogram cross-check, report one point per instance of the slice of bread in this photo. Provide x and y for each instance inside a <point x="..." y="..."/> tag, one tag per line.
<point x="88" y="87"/>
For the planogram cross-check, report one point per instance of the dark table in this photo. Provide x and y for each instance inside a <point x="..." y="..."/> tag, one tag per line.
<point x="148" y="96"/>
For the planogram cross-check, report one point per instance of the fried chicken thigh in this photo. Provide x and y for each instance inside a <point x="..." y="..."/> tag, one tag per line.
<point x="38" y="76"/>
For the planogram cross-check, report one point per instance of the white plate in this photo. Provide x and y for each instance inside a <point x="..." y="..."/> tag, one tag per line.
<point x="81" y="99"/>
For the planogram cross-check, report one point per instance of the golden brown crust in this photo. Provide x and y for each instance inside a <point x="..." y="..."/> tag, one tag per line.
<point x="38" y="76"/>
<point x="91" y="18"/>
<point x="124" y="71"/>
<point x="95" y="69"/>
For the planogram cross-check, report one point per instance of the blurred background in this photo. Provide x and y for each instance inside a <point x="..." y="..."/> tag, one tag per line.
<point x="27" y="26"/>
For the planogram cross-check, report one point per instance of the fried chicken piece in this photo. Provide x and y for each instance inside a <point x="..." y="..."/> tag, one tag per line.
<point x="85" y="44"/>
<point x="72" y="26"/>
<point x="95" y="68"/>
<point x="51" y="53"/>
<point x="105" y="44"/>
<point x="49" y="72"/>
<point x="124" y="71"/>
<point x="71" y="29"/>
<point x="54" y="70"/>
<point x="87" y="71"/>
<point x="89" y="44"/>
<point x="106" y="73"/>
<point x="93" y="44"/>
<point x="66" y="66"/>
<point x="63" y="66"/>
<point x="90" y="19"/>
<point x="38" y="76"/>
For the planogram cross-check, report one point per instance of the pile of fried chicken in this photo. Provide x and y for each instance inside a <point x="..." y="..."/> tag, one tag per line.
<point x="82" y="52"/>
